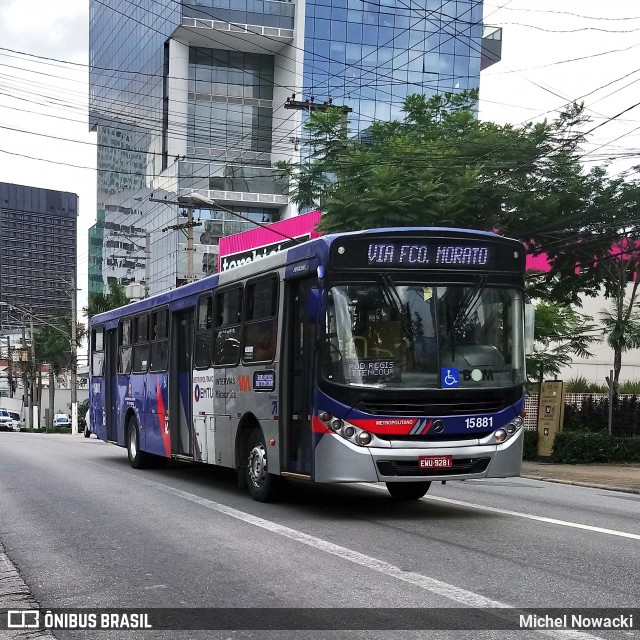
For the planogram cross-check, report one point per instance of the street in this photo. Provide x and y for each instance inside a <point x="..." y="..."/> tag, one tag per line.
<point x="86" y="530"/>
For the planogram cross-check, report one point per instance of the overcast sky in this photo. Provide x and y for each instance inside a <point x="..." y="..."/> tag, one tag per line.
<point x="534" y="78"/>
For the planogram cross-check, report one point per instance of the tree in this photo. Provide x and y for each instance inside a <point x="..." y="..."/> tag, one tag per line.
<point x="53" y="346"/>
<point x="597" y="251"/>
<point x="440" y="166"/>
<point x="101" y="302"/>
<point x="559" y="333"/>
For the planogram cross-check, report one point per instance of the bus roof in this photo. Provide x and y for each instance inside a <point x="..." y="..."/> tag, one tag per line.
<point x="188" y="294"/>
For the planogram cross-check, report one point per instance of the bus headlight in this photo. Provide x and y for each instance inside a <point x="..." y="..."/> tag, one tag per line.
<point x="510" y="429"/>
<point x="336" y="425"/>
<point x="363" y="438"/>
<point x="349" y="432"/>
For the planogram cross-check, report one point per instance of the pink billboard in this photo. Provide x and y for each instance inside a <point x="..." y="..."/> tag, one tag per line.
<point x="248" y="246"/>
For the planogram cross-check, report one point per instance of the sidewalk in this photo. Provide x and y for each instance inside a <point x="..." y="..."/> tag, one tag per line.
<point x="615" y="477"/>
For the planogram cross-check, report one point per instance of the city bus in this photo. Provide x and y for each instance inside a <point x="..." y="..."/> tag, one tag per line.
<point x="386" y="355"/>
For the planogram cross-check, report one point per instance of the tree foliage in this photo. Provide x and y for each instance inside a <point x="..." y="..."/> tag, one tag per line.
<point x="101" y="302"/>
<point x="53" y="347"/>
<point x="441" y="166"/>
<point x="560" y="333"/>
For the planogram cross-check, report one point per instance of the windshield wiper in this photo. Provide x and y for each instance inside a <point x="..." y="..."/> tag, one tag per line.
<point x="467" y="304"/>
<point x="395" y="302"/>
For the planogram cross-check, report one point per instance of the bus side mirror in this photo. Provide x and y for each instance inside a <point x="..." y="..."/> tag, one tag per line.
<point x="314" y="304"/>
<point x="529" y="326"/>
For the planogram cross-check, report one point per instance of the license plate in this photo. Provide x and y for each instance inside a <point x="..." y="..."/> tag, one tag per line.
<point x="435" y="462"/>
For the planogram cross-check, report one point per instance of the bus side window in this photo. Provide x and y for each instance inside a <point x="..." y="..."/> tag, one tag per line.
<point x="97" y="358"/>
<point x="260" y="321"/>
<point x="124" y="346"/>
<point x="202" y="356"/>
<point x="159" y="340"/>
<point x="228" y="315"/>
<point x="140" y="343"/>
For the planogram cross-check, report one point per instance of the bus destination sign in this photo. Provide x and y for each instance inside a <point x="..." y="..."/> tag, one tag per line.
<point x="423" y="253"/>
<point x="417" y="255"/>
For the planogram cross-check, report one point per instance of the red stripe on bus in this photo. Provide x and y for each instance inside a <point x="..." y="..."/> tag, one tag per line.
<point x="391" y="426"/>
<point x="162" y="419"/>
<point x="317" y="426"/>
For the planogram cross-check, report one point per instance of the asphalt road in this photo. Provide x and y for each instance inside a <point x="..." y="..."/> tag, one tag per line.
<point x="86" y="530"/>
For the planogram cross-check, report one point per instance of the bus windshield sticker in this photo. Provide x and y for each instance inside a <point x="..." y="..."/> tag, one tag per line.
<point x="371" y="370"/>
<point x="264" y="380"/>
<point x="450" y="377"/>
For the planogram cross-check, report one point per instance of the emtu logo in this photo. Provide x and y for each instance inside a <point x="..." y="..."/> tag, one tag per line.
<point x="196" y="393"/>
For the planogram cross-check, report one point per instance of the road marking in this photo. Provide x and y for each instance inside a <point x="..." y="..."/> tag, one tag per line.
<point x="438" y="587"/>
<point x="520" y="514"/>
<point x="530" y="516"/>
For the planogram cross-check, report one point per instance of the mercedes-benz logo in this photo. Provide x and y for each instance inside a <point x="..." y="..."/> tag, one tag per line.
<point x="438" y="426"/>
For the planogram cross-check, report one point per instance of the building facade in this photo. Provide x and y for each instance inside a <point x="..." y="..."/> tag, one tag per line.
<point x="38" y="231"/>
<point x="190" y="97"/>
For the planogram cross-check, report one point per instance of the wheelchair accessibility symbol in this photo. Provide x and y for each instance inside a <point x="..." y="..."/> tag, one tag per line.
<point x="450" y="378"/>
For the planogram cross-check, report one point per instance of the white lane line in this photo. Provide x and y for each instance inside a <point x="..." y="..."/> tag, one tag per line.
<point x="530" y="516"/>
<point x="520" y="514"/>
<point x="438" y="587"/>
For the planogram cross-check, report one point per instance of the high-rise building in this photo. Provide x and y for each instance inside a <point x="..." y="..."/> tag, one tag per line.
<point x="189" y="97"/>
<point x="38" y="231"/>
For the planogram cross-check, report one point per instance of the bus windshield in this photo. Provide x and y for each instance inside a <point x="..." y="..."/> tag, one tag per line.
<point x="421" y="335"/>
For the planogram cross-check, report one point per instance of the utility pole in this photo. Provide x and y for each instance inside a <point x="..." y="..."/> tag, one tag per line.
<point x="25" y="377"/>
<point x="10" y="366"/>
<point x="186" y="228"/>
<point x="147" y="262"/>
<point x="74" y="357"/>
<point x="190" y="244"/>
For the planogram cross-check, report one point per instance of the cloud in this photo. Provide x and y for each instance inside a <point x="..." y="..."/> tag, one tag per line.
<point x="41" y="27"/>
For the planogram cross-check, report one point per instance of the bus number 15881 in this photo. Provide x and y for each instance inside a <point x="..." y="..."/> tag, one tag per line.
<point x="479" y="423"/>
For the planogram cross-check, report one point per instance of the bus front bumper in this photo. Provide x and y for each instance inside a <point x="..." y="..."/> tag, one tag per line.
<point x="338" y="460"/>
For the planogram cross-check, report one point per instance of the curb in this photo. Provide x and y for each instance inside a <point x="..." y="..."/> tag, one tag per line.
<point x="592" y="485"/>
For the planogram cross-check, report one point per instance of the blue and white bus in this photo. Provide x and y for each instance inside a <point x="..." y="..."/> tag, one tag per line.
<point x="388" y="355"/>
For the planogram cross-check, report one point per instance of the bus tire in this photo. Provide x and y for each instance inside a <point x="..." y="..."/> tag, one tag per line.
<point x="262" y="485"/>
<point x="408" y="490"/>
<point x="137" y="458"/>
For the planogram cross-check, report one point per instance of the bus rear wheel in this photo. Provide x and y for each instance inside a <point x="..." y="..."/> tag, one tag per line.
<point x="263" y="486"/>
<point x="137" y="459"/>
<point x="408" y="490"/>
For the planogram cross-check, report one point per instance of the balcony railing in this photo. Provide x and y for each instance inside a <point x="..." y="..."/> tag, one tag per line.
<point x="264" y="13"/>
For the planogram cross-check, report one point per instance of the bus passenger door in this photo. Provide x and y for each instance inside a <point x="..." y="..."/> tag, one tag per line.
<point x="298" y="376"/>
<point x="111" y="384"/>
<point x="180" y="387"/>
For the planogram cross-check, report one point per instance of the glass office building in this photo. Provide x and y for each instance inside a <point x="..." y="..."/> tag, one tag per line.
<point x="38" y="230"/>
<point x="189" y="97"/>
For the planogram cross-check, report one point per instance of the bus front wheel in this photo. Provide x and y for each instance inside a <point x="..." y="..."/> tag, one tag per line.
<point x="137" y="458"/>
<point x="408" y="490"/>
<point x="263" y="486"/>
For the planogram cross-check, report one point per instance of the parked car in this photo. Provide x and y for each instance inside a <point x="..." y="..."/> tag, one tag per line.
<point x="7" y="423"/>
<point x="61" y="420"/>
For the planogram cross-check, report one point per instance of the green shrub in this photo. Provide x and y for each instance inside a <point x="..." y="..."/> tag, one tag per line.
<point x="582" y="385"/>
<point x="583" y="448"/>
<point x="530" y="448"/>
<point x="629" y="386"/>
